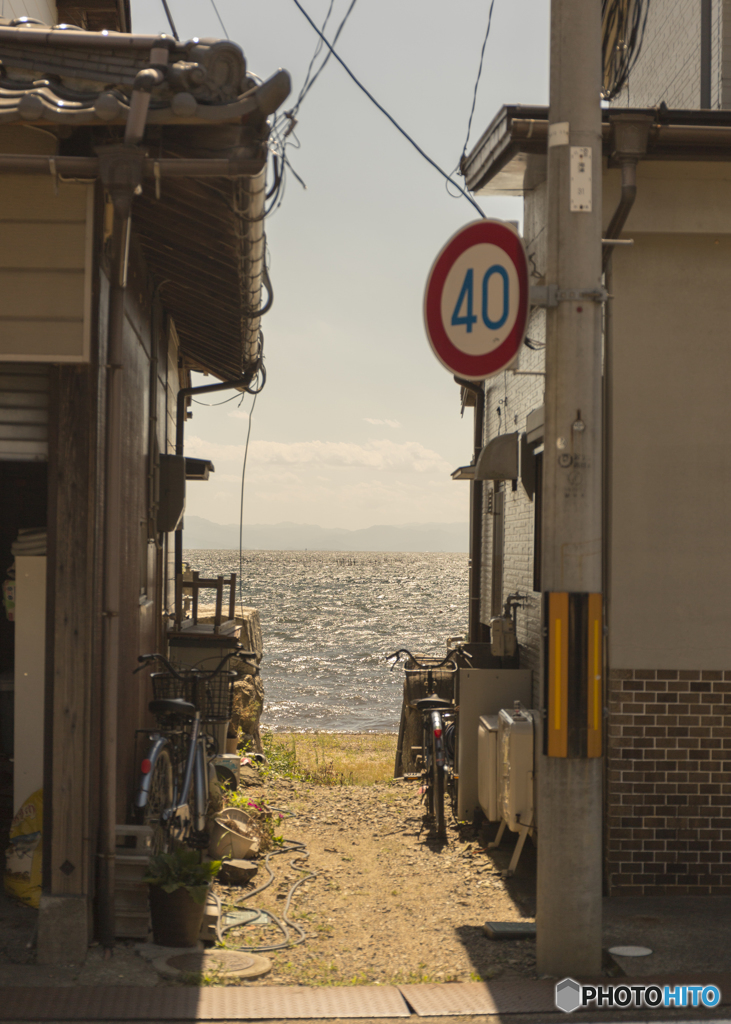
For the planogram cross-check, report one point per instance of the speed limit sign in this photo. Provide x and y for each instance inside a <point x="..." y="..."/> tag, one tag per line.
<point x="476" y="300"/>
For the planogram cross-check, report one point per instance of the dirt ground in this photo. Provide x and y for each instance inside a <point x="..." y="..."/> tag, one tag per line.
<point x="387" y="904"/>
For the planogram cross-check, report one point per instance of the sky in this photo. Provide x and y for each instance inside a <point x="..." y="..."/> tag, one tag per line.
<point x="358" y="424"/>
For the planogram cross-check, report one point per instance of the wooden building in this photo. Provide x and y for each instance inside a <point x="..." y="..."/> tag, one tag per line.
<point x="132" y="191"/>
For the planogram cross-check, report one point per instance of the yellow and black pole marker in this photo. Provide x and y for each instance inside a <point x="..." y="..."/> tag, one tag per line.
<point x="573" y="674"/>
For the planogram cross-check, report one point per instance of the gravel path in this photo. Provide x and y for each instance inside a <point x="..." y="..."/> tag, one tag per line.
<point x="387" y="905"/>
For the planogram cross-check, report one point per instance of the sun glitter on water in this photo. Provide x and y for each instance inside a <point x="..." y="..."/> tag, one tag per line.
<point x="329" y="619"/>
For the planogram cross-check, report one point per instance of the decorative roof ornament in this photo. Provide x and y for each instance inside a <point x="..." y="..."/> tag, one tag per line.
<point x="64" y="76"/>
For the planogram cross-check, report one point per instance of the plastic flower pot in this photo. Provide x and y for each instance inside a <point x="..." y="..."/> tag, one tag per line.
<point x="176" y="917"/>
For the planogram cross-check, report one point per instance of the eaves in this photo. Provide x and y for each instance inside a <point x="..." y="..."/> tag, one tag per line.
<point x="509" y="158"/>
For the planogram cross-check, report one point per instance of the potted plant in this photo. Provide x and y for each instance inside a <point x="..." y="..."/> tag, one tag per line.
<point x="178" y="886"/>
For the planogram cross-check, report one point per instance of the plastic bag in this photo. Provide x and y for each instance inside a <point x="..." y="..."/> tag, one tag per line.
<point x="23" y="857"/>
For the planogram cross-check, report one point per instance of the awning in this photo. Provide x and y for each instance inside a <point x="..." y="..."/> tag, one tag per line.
<point x="499" y="459"/>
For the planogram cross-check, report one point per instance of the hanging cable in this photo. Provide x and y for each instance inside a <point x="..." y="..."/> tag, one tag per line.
<point x="385" y="113"/>
<point x="213" y="5"/>
<point x="170" y="20"/>
<point x="315" y="55"/>
<point x="241" y="509"/>
<point x="623" y="33"/>
<point x="317" y="74"/>
<point x="477" y="82"/>
<point x="211" y="405"/>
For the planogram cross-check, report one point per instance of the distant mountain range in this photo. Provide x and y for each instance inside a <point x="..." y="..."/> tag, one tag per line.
<point x="203" y="534"/>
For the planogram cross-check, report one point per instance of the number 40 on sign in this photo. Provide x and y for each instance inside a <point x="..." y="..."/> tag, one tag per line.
<point x="476" y="300"/>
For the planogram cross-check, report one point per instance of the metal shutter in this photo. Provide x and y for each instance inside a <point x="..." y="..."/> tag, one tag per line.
<point x="24" y="412"/>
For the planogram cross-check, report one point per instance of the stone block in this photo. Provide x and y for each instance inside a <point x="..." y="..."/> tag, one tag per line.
<point x="63" y="935"/>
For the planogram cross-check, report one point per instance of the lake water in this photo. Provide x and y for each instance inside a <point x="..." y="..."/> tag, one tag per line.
<point x="328" y="620"/>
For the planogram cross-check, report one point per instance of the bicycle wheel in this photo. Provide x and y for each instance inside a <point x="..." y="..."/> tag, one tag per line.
<point x="437" y="772"/>
<point x="159" y="799"/>
<point x="426" y="767"/>
<point x="197" y="838"/>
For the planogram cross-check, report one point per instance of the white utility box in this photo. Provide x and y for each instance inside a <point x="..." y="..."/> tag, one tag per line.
<point x="487" y="773"/>
<point x="516" y="768"/>
<point x="482" y="691"/>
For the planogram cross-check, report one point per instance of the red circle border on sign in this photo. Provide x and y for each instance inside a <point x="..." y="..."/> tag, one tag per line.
<point x="461" y="363"/>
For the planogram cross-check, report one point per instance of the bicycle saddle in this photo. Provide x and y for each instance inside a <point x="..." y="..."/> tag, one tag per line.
<point x="172" y="706"/>
<point x="432" y="704"/>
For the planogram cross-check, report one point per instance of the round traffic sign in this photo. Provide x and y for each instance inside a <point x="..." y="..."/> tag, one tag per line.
<point x="476" y="300"/>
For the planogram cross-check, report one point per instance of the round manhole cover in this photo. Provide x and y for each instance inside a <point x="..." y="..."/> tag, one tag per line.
<point x="630" y="951"/>
<point x="224" y="962"/>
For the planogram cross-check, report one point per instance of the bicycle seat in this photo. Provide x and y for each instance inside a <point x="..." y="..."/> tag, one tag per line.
<point x="173" y="706"/>
<point x="433" y="704"/>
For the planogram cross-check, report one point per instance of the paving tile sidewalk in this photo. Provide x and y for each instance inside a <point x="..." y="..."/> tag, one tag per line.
<point x="689" y="937"/>
<point x="492" y="1001"/>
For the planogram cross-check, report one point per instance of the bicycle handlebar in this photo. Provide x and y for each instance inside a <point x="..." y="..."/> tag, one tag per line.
<point x="448" y="662"/>
<point x="145" y="659"/>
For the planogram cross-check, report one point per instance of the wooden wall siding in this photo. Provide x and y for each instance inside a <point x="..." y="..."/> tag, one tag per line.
<point x="72" y="544"/>
<point x="46" y="247"/>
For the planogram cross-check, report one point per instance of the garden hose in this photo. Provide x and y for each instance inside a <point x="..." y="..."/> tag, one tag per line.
<point x="285" y="923"/>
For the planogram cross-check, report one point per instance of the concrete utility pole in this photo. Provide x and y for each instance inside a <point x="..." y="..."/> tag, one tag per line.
<point x="569" y="916"/>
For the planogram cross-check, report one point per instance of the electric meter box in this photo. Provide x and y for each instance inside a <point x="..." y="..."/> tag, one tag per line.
<point x="487" y="774"/>
<point x="503" y="639"/>
<point x="516" y="746"/>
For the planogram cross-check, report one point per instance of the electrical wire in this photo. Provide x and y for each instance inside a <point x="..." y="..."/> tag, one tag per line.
<point x="211" y="405"/>
<point x="623" y="34"/>
<point x="241" y="509"/>
<point x="385" y="113"/>
<point x="477" y="82"/>
<point x="213" y="5"/>
<point x="315" y="55"/>
<point x="170" y="20"/>
<point x="317" y="74"/>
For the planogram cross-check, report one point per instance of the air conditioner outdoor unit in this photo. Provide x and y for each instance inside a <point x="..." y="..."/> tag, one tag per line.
<point x="516" y="766"/>
<point x="512" y="801"/>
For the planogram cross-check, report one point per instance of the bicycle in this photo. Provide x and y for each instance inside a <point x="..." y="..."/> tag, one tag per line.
<point x="438" y="722"/>
<point x="172" y="795"/>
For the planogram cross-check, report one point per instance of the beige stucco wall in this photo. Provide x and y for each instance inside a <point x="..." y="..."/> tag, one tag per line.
<point x="670" y="550"/>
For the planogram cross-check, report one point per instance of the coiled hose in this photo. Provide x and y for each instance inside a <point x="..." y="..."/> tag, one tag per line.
<point x="283" y="923"/>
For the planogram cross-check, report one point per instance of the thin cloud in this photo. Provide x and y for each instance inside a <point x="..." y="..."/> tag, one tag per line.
<point x="381" y="423"/>
<point x="407" y="456"/>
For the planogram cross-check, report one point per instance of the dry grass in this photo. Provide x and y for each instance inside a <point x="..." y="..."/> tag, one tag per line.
<point x="356" y="757"/>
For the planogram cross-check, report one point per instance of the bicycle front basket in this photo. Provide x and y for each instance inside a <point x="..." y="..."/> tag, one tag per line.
<point x="166" y="686"/>
<point x="216" y="696"/>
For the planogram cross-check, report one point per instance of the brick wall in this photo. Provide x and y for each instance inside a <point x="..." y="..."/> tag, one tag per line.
<point x="669" y="783"/>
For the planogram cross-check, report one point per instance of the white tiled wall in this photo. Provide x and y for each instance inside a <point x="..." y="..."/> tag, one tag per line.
<point x="43" y="10"/>
<point x="668" y="68"/>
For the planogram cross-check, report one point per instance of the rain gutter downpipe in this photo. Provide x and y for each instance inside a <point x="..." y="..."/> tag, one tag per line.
<point x="121" y="168"/>
<point x="474" y="630"/>
<point x="630" y="133"/>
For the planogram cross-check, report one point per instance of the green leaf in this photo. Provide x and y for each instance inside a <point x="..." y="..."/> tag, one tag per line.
<point x="198" y="892"/>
